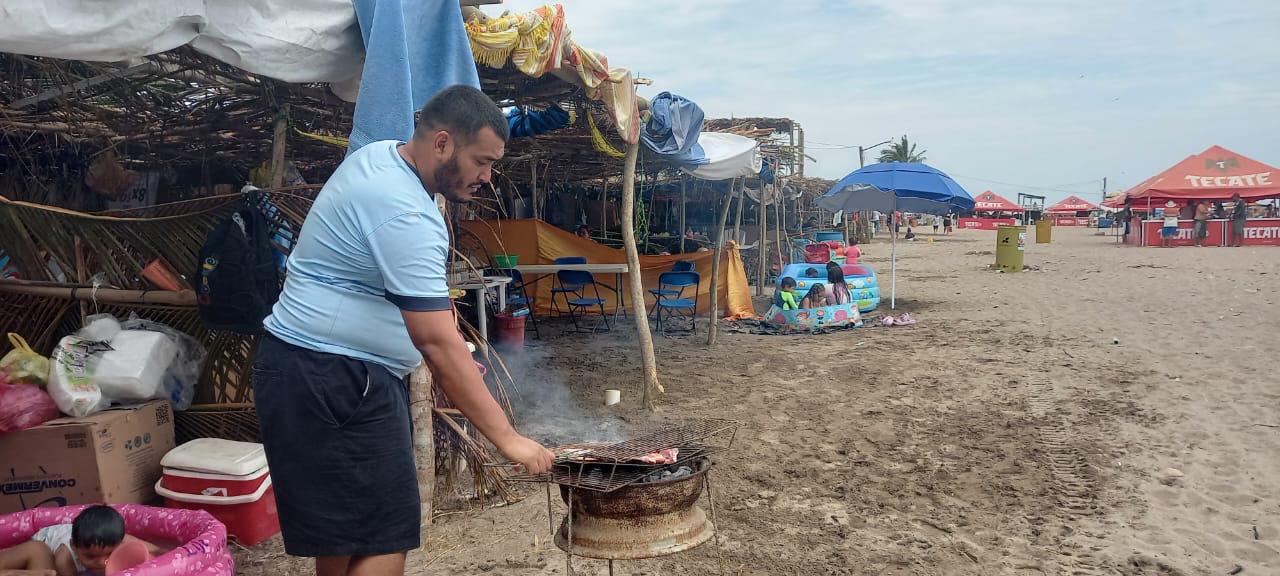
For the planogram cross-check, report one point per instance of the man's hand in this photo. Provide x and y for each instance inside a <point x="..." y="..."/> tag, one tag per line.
<point x="527" y="453"/>
<point x="436" y="335"/>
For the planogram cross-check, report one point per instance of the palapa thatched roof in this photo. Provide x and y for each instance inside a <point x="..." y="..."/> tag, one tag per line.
<point x="171" y="109"/>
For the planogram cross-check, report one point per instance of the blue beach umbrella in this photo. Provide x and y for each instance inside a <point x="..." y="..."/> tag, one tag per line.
<point x="897" y="187"/>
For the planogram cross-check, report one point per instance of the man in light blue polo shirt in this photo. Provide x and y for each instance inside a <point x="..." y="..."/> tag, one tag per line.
<point x="364" y="302"/>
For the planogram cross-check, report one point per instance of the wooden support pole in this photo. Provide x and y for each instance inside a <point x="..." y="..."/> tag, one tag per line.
<point x="737" y="224"/>
<point x="421" y="402"/>
<point x="713" y="321"/>
<point x="278" y="141"/>
<point x="783" y="241"/>
<point x="652" y="388"/>
<point x="684" y="183"/>
<point x="604" y="208"/>
<point x="533" y="187"/>
<point x="763" y="247"/>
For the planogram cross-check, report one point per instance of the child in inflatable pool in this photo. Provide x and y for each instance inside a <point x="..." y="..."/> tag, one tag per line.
<point x="839" y="288"/>
<point x="785" y="297"/>
<point x="81" y="547"/>
<point x="816" y="298"/>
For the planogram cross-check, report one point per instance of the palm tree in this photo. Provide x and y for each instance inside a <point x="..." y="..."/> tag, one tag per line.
<point x="902" y="151"/>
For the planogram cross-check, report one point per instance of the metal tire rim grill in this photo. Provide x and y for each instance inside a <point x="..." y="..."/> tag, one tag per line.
<point x="603" y="470"/>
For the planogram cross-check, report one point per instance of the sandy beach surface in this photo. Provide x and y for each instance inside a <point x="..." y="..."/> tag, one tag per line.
<point x="1112" y="410"/>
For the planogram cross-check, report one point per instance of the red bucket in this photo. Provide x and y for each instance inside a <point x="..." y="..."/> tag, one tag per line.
<point x="508" y="331"/>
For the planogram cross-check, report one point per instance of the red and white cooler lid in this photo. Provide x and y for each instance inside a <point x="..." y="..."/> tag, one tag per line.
<point x="217" y="456"/>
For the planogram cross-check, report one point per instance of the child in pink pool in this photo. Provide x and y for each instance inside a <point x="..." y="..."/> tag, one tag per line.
<point x="75" y="549"/>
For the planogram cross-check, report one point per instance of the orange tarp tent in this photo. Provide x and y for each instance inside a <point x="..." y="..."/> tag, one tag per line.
<point x="537" y="242"/>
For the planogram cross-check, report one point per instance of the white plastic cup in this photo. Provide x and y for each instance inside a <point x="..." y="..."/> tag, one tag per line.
<point x="612" y="397"/>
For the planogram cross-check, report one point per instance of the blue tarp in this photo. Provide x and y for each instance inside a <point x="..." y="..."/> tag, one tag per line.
<point x="673" y="128"/>
<point x="524" y="123"/>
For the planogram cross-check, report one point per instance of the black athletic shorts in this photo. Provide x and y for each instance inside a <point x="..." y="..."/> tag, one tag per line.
<point x="339" y="443"/>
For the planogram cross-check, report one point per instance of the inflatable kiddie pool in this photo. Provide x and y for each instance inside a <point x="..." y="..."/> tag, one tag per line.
<point x="813" y="318"/>
<point x="861" y="279"/>
<point x="203" y="552"/>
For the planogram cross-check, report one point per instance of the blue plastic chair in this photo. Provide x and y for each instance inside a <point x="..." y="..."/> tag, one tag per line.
<point x="563" y="288"/>
<point x="677" y="303"/>
<point x="518" y="296"/>
<point x="582" y="302"/>
<point x="659" y="293"/>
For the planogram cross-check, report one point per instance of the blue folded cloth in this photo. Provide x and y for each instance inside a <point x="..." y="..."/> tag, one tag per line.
<point x="413" y="50"/>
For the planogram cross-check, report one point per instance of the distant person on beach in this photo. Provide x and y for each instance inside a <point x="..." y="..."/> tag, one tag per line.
<point x="937" y="223"/>
<point x="1201" y="222"/>
<point x="1239" y="213"/>
<point x="1272" y="210"/>
<point x="816" y="298"/>
<point x="910" y="235"/>
<point x="1170" y="229"/>
<point x="1125" y="215"/>
<point x="852" y="252"/>
<point x="1219" y="213"/>
<point x="946" y="223"/>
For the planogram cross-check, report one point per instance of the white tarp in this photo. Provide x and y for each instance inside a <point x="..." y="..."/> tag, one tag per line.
<point x="290" y="40"/>
<point x="729" y="155"/>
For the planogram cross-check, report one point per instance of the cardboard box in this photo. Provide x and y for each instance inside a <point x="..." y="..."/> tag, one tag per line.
<point x="111" y="456"/>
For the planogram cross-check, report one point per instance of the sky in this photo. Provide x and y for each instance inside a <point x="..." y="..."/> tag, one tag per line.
<point x="1044" y="97"/>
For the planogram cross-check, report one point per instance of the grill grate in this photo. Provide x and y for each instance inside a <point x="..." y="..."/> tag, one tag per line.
<point x="608" y="468"/>
<point x="707" y="432"/>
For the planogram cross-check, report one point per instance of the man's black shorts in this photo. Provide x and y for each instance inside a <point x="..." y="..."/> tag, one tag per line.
<point x="339" y="442"/>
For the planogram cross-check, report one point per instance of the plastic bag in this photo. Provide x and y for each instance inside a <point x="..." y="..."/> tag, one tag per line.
<point x="179" y="384"/>
<point x="24" y="406"/>
<point x="133" y="361"/>
<point x="22" y="365"/>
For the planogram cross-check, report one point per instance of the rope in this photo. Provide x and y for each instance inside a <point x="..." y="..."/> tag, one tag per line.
<point x="598" y="141"/>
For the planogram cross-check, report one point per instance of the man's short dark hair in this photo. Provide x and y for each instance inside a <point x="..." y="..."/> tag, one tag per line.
<point x="99" y="526"/>
<point x="462" y="111"/>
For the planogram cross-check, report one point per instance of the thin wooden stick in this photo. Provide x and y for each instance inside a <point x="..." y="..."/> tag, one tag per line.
<point x="652" y="388"/>
<point x="712" y="322"/>
<point x="278" y="146"/>
<point x="762" y="250"/>
<point x="101" y="295"/>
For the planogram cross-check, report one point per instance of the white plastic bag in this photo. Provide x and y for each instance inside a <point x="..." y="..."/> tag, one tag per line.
<point x="179" y="384"/>
<point x="71" y="379"/>
<point x="140" y="360"/>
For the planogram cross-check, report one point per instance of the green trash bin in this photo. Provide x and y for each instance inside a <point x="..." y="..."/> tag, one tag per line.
<point x="1010" y="244"/>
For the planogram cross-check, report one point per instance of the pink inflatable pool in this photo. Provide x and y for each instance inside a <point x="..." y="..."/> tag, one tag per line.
<point x="204" y="552"/>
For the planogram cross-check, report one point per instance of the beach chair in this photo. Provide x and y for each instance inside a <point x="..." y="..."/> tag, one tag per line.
<point x="562" y="288"/>
<point x="677" y="303"/>
<point x="581" y="302"/>
<point x="662" y="292"/>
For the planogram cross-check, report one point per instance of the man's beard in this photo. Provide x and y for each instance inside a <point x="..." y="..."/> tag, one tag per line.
<point x="449" y="182"/>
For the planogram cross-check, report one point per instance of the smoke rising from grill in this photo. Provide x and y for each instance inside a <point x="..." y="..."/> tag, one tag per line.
<point x="546" y="409"/>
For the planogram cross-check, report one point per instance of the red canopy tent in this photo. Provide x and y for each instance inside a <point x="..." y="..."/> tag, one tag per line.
<point x="1072" y="205"/>
<point x="1215" y="174"/>
<point x="991" y="202"/>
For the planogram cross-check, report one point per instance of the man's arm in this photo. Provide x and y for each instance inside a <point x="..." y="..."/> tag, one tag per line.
<point x="436" y="336"/>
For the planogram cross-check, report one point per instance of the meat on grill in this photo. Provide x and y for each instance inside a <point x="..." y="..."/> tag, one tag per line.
<point x="664" y="456"/>
<point x="580" y="452"/>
